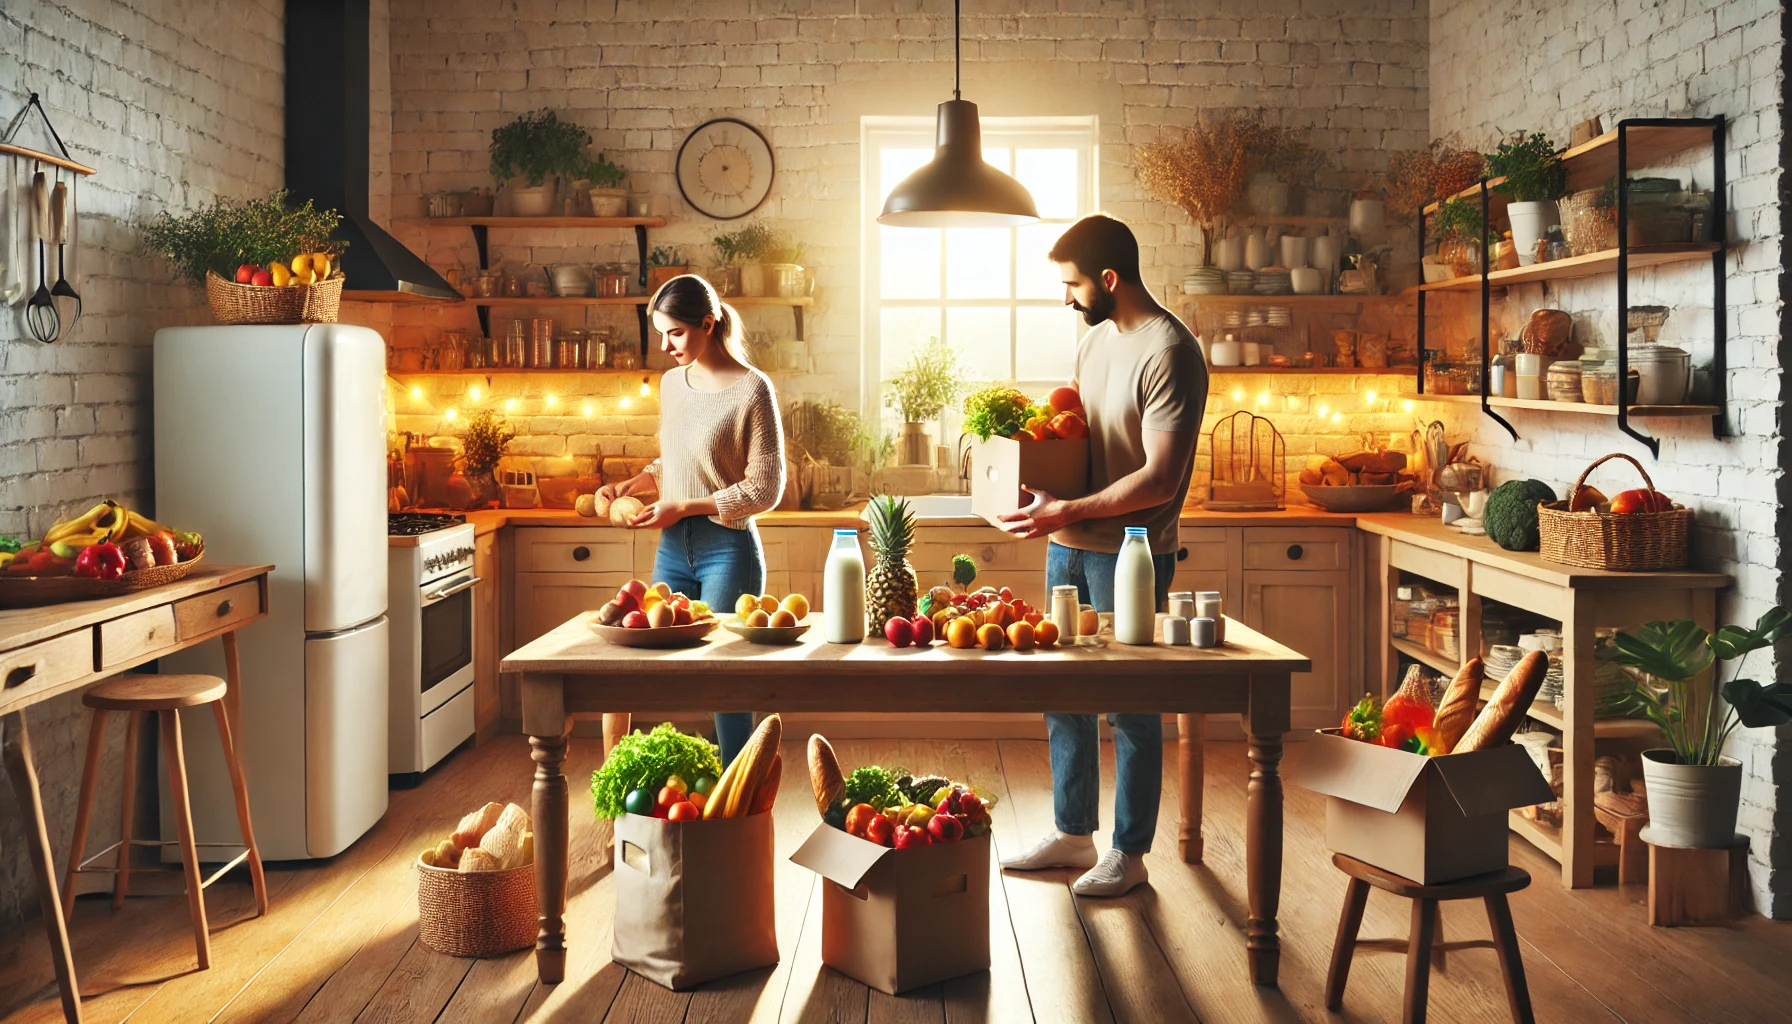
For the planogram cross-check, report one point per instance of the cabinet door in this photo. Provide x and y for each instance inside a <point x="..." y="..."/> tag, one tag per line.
<point x="547" y="599"/>
<point x="1309" y="612"/>
<point x="485" y="636"/>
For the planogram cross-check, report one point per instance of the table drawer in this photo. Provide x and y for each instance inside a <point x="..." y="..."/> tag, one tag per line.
<point x="1315" y="550"/>
<point x="135" y="636"/>
<point x="45" y="664"/>
<point x="197" y="616"/>
<point x="574" y="549"/>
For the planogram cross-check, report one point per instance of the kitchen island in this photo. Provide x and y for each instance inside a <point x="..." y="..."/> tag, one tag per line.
<point x="570" y="673"/>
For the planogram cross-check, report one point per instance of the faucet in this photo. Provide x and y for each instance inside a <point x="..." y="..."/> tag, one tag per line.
<point x="964" y="463"/>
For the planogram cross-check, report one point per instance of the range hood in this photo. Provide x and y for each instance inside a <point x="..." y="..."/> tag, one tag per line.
<point x="327" y="133"/>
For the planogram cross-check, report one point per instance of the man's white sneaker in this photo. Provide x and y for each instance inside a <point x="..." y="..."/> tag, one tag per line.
<point x="1056" y="850"/>
<point x="1117" y="873"/>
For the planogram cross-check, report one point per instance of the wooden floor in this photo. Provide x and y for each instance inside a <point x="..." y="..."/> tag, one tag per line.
<point x="341" y="941"/>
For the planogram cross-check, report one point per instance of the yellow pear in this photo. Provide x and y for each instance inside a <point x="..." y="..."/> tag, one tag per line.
<point x="301" y="263"/>
<point x="320" y="262"/>
<point x="282" y="276"/>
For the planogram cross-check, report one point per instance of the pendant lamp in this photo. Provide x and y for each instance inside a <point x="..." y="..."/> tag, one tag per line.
<point x="956" y="189"/>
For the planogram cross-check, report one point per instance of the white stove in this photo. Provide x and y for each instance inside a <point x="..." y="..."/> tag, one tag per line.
<point x="430" y="587"/>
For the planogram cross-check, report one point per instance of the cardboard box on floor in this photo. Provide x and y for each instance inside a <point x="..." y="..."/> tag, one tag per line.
<point x="1000" y="465"/>
<point x="900" y="919"/>
<point x="1430" y="819"/>
<point x="694" y="899"/>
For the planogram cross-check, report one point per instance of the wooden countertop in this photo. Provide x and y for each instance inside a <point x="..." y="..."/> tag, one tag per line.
<point x="1427" y="532"/>
<point x="20" y="626"/>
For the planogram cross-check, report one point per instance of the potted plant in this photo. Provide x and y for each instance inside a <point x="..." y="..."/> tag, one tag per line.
<point x="1462" y="238"/>
<point x="482" y="444"/>
<point x="663" y="264"/>
<point x="745" y="250"/>
<point x="1693" y="787"/>
<point x="921" y="392"/>
<point x="608" y="197"/>
<point x="537" y="149"/>
<point x="262" y="260"/>
<point x="1534" y="179"/>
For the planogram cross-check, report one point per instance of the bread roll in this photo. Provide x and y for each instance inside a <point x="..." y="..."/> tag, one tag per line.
<point x="1384" y="462"/>
<point x="1458" y="707"/>
<point x="478" y="860"/>
<point x="474" y="826"/>
<point x="505" y="840"/>
<point x="1335" y="474"/>
<point x="624" y="509"/>
<point x="592" y="506"/>
<point x="1499" y="719"/>
<point x="1311" y="477"/>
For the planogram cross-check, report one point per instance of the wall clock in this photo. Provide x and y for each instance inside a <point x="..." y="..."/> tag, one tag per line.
<point x="725" y="168"/>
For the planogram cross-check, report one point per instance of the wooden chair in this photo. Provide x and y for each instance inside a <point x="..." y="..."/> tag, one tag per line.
<point x="1422" y="945"/>
<point x="140" y="696"/>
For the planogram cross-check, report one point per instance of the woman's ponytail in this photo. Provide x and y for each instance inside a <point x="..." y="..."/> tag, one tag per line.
<point x="688" y="298"/>
<point x="729" y="334"/>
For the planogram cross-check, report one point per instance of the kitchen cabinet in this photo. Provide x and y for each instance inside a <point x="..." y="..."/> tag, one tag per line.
<point x="547" y="599"/>
<point x="1309" y="611"/>
<point x="487" y="632"/>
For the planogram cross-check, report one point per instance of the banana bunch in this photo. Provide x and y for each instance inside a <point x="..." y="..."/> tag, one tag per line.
<point x="107" y="521"/>
<point x="306" y="268"/>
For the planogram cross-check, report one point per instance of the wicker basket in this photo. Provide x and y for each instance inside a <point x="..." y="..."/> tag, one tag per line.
<point x="476" y="913"/>
<point x="1637" y="542"/>
<point x="33" y="591"/>
<point x="234" y="303"/>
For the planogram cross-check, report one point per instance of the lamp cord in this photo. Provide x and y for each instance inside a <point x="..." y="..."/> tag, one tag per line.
<point x="957" y="45"/>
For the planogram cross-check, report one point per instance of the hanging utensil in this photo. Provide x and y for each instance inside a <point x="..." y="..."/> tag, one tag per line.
<point x="13" y="271"/>
<point x="41" y="317"/>
<point x="60" y="218"/>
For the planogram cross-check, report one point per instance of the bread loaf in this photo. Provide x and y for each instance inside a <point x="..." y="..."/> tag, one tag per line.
<point x="1385" y="462"/>
<point x="475" y="825"/>
<point x="505" y="839"/>
<point x="1499" y="719"/>
<point x="592" y="506"/>
<point x="478" y="860"/>
<point x="824" y="774"/>
<point x="1458" y="707"/>
<point x="1335" y="474"/>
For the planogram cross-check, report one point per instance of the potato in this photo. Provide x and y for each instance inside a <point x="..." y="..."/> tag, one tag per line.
<point x="624" y="509"/>
<point x="592" y="506"/>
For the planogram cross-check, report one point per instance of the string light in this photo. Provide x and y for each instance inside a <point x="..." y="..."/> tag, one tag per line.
<point x="449" y="414"/>
<point x="1337" y="417"/>
<point x="1262" y="399"/>
<point x="1323" y="410"/>
<point x="417" y="392"/>
<point x="1238" y="394"/>
<point x="589" y="411"/>
<point x="646" y="392"/>
<point x="549" y="403"/>
<point x="474" y="392"/>
<point x="624" y="402"/>
<point x="1371" y="395"/>
<point x="509" y="405"/>
<point x="1406" y="406"/>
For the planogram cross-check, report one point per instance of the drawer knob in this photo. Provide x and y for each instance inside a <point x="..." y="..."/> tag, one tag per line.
<point x="1182" y="554"/>
<point x="1294" y="552"/>
<point x="21" y="675"/>
<point x="580" y="553"/>
<point x="989" y="555"/>
<point x="224" y="607"/>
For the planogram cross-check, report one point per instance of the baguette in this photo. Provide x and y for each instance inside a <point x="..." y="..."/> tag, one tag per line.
<point x="1458" y="707"/>
<point x="475" y="825"/>
<point x="824" y="774"/>
<point x="1499" y="719"/>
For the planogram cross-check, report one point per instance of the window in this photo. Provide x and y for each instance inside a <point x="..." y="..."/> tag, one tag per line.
<point x="989" y="292"/>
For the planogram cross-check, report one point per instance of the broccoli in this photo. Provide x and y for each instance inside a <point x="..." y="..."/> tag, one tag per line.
<point x="964" y="571"/>
<point x="1510" y="517"/>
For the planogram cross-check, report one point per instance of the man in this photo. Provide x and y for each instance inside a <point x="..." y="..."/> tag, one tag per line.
<point x="1144" y="387"/>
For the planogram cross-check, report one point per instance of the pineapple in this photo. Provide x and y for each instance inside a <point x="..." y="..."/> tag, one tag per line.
<point x="890" y="586"/>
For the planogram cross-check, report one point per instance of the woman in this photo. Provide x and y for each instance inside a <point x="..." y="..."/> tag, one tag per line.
<point x="721" y="462"/>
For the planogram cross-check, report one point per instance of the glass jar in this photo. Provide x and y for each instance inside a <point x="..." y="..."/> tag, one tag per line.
<point x="1562" y="381"/>
<point x="1599" y="382"/>
<point x="598" y="345"/>
<point x="624" y="356"/>
<point x="516" y="345"/>
<point x="541" y="344"/>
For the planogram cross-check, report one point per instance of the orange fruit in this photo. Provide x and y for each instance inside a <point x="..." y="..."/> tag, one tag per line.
<point x="1003" y="614"/>
<point x="781" y="617"/>
<point x="1046" y="633"/>
<point x="961" y="634"/>
<point x="990" y="637"/>
<point x="759" y="618"/>
<point x="1088" y="623"/>
<point x="767" y="603"/>
<point x="1020" y="635"/>
<point x="797" y="605"/>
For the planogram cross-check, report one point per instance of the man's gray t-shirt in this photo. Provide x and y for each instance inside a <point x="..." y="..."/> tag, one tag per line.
<point x="1152" y="378"/>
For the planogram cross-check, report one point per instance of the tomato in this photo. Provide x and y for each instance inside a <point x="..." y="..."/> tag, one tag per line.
<point x="638" y="801"/>
<point x="683" y="810"/>
<point x="668" y="796"/>
<point x="859" y="819"/>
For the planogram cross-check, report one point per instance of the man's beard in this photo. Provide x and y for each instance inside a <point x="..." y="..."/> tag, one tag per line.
<point x="1099" y="310"/>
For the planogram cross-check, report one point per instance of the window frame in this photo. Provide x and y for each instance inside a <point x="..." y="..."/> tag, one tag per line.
<point x="1080" y="133"/>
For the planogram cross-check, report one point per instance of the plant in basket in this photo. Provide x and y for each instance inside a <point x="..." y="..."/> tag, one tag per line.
<point x="262" y="260"/>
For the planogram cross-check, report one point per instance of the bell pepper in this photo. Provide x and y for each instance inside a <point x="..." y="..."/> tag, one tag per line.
<point x="1068" y="425"/>
<point x="1402" y="717"/>
<point x="102" y="561"/>
<point x="910" y="836"/>
<point x="1363" y="722"/>
<point x="945" y="828"/>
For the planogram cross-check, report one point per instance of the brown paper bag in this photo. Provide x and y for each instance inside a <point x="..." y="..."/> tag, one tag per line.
<point x="694" y="899"/>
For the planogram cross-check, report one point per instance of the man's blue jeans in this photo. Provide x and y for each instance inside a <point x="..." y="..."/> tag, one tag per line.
<point x="707" y="561"/>
<point x="1075" y="739"/>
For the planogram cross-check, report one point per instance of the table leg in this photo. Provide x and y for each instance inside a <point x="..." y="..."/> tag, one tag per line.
<point x="23" y="773"/>
<point x="544" y="719"/>
<point x="233" y="684"/>
<point x="1190" y="745"/>
<point x="1266" y="720"/>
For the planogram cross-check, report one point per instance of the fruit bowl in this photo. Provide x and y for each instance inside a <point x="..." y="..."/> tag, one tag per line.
<point x="663" y="636"/>
<point x="1359" y="498"/>
<point x="766" y="634"/>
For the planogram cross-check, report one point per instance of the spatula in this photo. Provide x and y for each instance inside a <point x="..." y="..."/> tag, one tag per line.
<point x="60" y="219"/>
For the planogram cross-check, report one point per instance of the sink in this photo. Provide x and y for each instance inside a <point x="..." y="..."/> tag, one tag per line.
<point x="935" y="506"/>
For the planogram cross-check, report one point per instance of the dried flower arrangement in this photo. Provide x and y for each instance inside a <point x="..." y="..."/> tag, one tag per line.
<point x="1419" y="176"/>
<point x="1204" y="170"/>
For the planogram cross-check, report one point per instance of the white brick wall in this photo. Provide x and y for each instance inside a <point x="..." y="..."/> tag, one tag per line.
<point x="174" y="101"/>
<point x="1544" y="65"/>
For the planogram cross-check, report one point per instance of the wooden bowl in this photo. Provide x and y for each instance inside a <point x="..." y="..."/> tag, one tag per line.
<point x="1357" y="498"/>
<point x="770" y="635"/>
<point x="664" y="636"/>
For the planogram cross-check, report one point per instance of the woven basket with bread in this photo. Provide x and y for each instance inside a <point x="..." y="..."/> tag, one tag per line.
<point x="476" y="891"/>
<point x="1640" y="530"/>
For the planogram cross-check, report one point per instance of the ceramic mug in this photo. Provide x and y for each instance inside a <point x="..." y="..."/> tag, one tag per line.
<point x="1294" y="252"/>
<point x="1325" y="252"/>
<point x="1256" y="251"/>
<point x="1307" y="280"/>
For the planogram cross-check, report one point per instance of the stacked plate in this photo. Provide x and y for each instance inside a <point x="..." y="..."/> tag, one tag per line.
<point x="1273" y="281"/>
<point x="1277" y="316"/>
<point x="1254" y="318"/>
<point x="1204" y="281"/>
<point x="1233" y="318"/>
<point x="1241" y="282"/>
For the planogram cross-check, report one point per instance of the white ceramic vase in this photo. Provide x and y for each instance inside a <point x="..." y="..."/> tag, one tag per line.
<point x="1294" y="251"/>
<point x="1256" y="251"/>
<point x="1228" y="254"/>
<point x="1368" y="218"/>
<point x="537" y="201"/>
<point x="1691" y="805"/>
<point x="1326" y="251"/>
<point x="1530" y="222"/>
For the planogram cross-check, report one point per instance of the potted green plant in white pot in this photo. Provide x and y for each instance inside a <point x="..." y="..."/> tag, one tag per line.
<point x="1693" y="787"/>
<point x="606" y="180"/>
<point x="746" y="250"/>
<point x="1534" y="179"/>
<point x="920" y="393"/>
<point x="530" y="156"/>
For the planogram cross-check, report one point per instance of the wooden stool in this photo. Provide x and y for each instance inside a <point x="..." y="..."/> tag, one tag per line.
<point x="139" y="696"/>
<point x="1696" y="886"/>
<point x="1421" y="946"/>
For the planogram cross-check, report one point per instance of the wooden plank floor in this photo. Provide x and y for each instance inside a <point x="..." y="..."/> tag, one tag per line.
<point x="340" y="943"/>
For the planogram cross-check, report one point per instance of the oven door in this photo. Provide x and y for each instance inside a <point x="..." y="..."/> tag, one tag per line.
<point x="446" y="638"/>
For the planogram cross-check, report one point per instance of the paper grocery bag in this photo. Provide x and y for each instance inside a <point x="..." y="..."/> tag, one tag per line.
<point x="694" y="899"/>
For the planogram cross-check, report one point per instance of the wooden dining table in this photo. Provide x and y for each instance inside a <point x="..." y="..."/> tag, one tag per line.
<point x="571" y="673"/>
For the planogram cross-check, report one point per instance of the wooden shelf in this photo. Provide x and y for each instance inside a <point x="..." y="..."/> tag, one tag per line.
<point x="501" y="302"/>
<point x="1391" y="371"/>
<point x="504" y="371"/>
<point x="534" y="222"/>
<point x="1603" y="728"/>
<point x="1591" y="164"/>
<point x="1590" y="265"/>
<point x="1582" y="408"/>
<point x="1346" y="303"/>
<point x="1424" y="655"/>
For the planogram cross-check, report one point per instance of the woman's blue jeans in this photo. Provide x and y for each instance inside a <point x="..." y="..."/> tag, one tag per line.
<point x="709" y="562"/>
<point x="1076" y="739"/>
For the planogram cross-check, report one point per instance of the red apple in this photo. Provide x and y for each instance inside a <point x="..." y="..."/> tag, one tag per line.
<point x="636" y="619"/>
<point x="262" y="279"/>
<point x="628" y="600"/>
<point x="899" y="632"/>
<point x="922" y="626"/>
<point x="245" y="274"/>
<point x="635" y="587"/>
<point x="681" y="614"/>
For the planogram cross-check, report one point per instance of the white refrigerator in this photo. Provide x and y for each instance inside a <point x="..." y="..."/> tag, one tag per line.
<point x="271" y="441"/>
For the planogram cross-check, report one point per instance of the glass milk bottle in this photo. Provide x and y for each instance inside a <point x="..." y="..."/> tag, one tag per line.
<point x="1135" y="590"/>
<point x="843" y="590"/>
